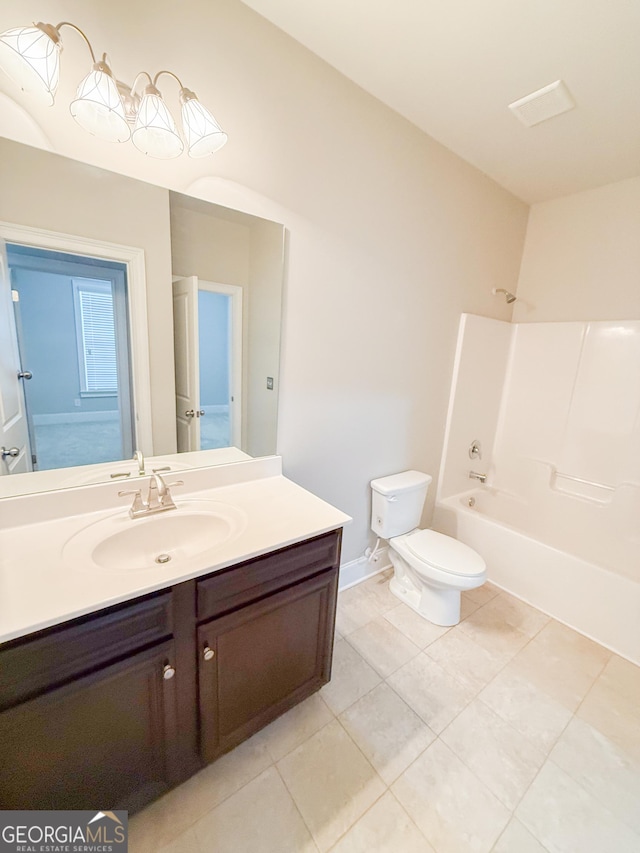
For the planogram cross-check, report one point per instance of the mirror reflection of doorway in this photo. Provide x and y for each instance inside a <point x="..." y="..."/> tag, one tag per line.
<point x="208" y="358"/>
<point x="214" y="340"/>
<point x="72" y="327"/>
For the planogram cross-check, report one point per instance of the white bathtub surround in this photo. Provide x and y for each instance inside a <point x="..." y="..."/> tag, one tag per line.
<point x="480" y="366"/>
<point x="599" y="603"/>
<point x="556" y="520"/>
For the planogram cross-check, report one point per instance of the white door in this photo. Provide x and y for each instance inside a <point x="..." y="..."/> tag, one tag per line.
<point x="185" y="332"/>
<point x="14" y="434"/>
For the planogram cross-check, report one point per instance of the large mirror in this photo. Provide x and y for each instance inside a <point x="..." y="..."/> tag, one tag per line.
<point x="131" y="318"/>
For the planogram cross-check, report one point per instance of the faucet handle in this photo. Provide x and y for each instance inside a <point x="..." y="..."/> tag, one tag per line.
<point x="138" y="506"/>
<point x="475" y="450"/>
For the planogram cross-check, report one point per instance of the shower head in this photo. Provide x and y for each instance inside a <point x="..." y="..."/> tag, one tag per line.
<point x="508" y="296"/>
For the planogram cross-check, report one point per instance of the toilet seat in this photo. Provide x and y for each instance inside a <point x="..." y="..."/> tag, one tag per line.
<point x="443" y="553"/>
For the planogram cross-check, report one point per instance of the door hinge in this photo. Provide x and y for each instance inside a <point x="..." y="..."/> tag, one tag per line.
<point x="15" y="296"/>
<point x="34" y="459"/>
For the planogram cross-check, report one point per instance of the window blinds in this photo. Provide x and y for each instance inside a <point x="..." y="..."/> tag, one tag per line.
<point x="98" y="345"/>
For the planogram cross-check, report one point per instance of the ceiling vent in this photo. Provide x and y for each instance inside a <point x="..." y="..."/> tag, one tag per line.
<point x="543" y="104"/>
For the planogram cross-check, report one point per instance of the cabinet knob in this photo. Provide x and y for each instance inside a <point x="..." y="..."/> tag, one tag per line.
<point x="168" y="672"/>
<point x="208" y="653"/>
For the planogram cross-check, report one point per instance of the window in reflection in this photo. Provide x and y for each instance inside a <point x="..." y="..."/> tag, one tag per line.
<point x="71" y="321"/>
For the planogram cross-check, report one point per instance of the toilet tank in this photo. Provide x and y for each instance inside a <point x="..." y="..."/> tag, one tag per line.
<point x="397" y="503"/>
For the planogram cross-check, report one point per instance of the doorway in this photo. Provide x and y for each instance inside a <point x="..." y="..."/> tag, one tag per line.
<point x="208" y="357"/>
<point x="72" y="327"/>
<point x="215" y="336"/>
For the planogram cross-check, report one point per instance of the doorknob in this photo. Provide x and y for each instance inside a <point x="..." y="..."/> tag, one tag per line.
<point x="189" y="413"/>
<point x="200" y="413"/>
<point x="25" y="374"/>
<point x="12" y="451"/>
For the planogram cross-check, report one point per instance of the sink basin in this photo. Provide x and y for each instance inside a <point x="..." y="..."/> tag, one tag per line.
<point x="173" y="538"/>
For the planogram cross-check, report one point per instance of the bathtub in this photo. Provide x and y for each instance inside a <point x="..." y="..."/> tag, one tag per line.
<point x="566" y="557"/>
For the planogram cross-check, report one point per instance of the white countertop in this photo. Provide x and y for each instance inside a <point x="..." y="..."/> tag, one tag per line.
<point x="40" y="588"/>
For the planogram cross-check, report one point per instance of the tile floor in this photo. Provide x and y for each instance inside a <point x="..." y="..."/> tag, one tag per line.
<point x="508" y="733"/>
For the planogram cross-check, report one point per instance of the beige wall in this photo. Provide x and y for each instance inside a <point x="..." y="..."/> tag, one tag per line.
<point x="264" y="317"/>
<point x="391" y="236"/>
<point x="582" y="256"/>
<point x="55" y="194"/>
<point x="209" y="246"/>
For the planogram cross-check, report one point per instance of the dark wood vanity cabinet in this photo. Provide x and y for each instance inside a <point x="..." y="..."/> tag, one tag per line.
<point x="97" y="692"/>
<point x="106" y="737"/>
<point x="113" y="709"/>
<point x="262" y="659"/>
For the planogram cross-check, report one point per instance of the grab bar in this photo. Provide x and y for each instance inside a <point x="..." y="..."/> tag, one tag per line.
<point x="573" y="479"/>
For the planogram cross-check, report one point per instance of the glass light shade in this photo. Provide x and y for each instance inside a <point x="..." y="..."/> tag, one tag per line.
<point x="155" y="132"/>
<point x="31" y="57"/>
<point x="203" y="133"/>
<point x="98" y="106"/>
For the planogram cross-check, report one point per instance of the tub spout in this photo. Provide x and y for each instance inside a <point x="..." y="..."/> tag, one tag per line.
<point x="473" y="475"/>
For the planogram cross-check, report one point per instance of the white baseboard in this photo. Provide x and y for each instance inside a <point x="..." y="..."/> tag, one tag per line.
<point x="356" y="571"/>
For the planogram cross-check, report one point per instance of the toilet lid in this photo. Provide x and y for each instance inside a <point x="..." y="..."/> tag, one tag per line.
<point x="443" y="552"/>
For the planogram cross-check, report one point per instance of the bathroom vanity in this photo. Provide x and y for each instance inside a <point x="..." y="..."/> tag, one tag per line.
<point x="115" y="706"/>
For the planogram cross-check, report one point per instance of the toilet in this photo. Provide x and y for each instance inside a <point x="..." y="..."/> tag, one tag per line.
<point x="430" y="569"/>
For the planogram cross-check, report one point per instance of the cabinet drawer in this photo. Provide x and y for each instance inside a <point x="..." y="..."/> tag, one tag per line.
<point x="30" y="666"/>
<point x="246" y="582"/>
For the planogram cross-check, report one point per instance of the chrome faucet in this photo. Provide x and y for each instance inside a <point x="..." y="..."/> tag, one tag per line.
<point x="475" y="476"/>
<point x="138" y="455"/>
<point x="158" y="497"/>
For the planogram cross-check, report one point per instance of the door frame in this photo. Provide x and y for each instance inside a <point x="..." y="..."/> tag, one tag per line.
<point x="133" y="258"/>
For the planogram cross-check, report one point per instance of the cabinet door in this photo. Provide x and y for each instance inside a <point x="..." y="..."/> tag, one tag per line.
<point x="104" y="741"/>
<point x="258" y="662"/>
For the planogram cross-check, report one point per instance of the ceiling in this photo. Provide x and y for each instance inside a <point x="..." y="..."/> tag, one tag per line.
<point x="452" y="66"/>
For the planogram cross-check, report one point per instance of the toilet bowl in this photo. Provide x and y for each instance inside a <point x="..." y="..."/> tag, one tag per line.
<point x="430" y="569"/>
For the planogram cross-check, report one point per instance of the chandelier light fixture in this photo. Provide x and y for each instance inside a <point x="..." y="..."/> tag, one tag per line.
<point x="105" y="106"/>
